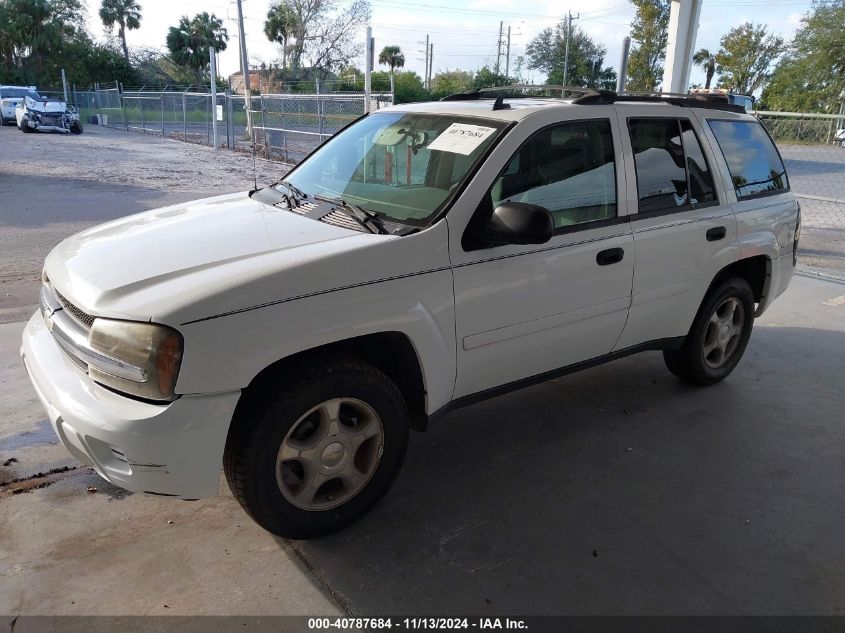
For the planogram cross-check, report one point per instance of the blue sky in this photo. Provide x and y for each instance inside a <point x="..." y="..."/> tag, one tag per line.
<point x="464" y="32"/>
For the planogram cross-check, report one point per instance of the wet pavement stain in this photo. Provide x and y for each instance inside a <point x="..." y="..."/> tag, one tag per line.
<point x="41" y="434"/>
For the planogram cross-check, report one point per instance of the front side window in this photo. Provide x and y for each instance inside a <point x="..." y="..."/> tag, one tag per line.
<point x="753" y="161"/>
<point x="402" y="165"/>
<point x="568" y="169"/>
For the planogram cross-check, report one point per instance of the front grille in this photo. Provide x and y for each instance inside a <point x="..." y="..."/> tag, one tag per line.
<point x="341" y="219"/>
<point x="83" y="317"/>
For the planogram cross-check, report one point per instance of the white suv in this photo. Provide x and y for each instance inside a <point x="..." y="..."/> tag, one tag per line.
<point x="10" y="97"/>
<point x="426" y="257"/>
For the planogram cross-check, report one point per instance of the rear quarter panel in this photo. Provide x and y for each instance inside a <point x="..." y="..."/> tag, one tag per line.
<point x="766" y="224"/>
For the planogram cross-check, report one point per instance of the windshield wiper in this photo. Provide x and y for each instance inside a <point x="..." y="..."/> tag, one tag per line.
<point x="296" y="193"/>
<point x="365" y="217"/>
<point x="296" y="190"/>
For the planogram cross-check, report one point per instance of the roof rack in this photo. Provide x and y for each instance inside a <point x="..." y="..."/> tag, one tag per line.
<point x="522" y="91"/>
<point x="695" y="100"/>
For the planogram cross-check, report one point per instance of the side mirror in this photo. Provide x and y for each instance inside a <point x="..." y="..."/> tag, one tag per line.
<point x="518" y="223"/>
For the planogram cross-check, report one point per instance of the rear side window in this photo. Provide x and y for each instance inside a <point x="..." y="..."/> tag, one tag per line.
<point x="754" y="164"/>
<point x="672" y="173"/>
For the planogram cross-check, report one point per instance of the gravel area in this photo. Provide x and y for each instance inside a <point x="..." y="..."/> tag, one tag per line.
<point x="52" y="186"/>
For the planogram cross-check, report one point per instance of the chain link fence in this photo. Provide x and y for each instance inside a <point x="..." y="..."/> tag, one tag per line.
<point x="285" y="127"/>
<point x="814" y="154"/>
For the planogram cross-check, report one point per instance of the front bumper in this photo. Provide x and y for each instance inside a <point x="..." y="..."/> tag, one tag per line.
<point x="171" y="449"/>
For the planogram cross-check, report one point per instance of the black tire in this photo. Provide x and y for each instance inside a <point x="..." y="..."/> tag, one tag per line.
<point x="690" y="363"/>
<point x="25" y="128"/>
<point x="269" y="412"/>
<point x="76" y="127"/>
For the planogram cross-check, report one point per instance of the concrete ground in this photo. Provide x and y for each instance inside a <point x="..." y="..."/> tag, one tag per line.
<point x="614" y="491"/>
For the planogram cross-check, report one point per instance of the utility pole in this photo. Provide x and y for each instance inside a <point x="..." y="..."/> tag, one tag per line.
<point x="430" y="63"/>
<point x="566" y="54"/>
<point x="425" y="74"/>
<point x="499" y="47"/>
<point x="508" y="54"/>
<point x="245" y="70"/>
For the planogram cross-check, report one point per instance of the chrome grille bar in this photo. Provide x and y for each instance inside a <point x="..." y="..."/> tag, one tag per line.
<point x="72" y="337"/>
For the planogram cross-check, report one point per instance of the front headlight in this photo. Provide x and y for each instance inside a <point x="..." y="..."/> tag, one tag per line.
<point x="147" y="357"/>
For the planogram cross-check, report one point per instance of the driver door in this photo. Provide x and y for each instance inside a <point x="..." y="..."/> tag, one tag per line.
<point x="524" y="310"/>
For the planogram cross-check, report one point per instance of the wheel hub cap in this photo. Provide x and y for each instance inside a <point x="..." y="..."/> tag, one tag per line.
<point x="333" y="455"/>
<point x="329" y="454"/>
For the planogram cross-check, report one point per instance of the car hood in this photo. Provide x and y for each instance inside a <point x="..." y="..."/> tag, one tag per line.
<point x="158" y="262"/>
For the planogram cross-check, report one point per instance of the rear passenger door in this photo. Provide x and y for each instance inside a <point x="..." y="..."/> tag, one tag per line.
<point x="684" y="228"/>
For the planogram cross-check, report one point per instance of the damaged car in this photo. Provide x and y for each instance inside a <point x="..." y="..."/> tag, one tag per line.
<point x="47" y="115"/>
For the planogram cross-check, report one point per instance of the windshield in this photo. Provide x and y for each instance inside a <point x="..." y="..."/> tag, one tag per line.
<point x="19" y="92"/>
<point x="401" y="165"/>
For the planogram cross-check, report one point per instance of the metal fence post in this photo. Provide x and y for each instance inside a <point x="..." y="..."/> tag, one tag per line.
<point x="161" y="101"/>
<point x="184" y="118"/>
<point x="123" y="111"/>
<point x="141" y="110"/>
<point x="263" y="128"/>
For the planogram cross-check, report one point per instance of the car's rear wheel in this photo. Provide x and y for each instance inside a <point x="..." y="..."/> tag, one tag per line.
<point x="309" y="457"/>
<point x="718" y="337"/>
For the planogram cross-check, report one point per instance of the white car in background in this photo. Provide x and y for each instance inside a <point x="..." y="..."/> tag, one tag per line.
<point x="10" y="97"/>
<point x="428" y="256"/>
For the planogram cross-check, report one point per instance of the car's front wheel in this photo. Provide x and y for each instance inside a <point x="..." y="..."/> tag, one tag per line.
<point x="309" y="457"/>
<point x="718" y="336"/>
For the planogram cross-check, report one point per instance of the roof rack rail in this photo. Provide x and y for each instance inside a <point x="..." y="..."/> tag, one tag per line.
<point x="521" y="91"/>
<point x="594" y="96"/>
<point x="694" y="100"/>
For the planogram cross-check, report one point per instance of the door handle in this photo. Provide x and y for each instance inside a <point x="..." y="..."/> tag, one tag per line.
<point x="716" y="233"/>
<point x="610" y="256"/>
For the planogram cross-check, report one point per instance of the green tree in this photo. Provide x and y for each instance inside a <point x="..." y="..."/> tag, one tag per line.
<point x="126" y="14"/>
<point x="746" y="55"/>
<point x="450" y="82"/>
<point x="547" y="52"/>
<point x="190" y="41"/>
<point x="811" y="75"/>
<point x="35" y="35"/>
<point x="392" y="57"/>
<point x="281" y="24"/>
<point x="707" y="61"/>
<point x="650" y="34"/>
<point x="486" y="77"/>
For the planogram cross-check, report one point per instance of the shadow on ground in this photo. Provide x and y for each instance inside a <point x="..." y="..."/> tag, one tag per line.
<point x="618" y="490"/>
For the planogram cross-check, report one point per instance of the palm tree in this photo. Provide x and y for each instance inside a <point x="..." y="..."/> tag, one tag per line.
<point x="391" y="56"/>
<point x="126" y="14"/>
<point x="281" y="24"/>
<point x="190" y="40"/>
<point x="707" y="61"/>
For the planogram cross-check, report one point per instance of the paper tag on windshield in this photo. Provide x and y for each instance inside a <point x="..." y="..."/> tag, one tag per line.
<point x="461" y="138"/>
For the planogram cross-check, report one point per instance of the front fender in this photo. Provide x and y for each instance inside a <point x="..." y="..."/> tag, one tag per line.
<point x="226" y="353"/>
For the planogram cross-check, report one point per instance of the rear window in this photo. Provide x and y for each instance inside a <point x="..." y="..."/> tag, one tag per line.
<point x="754" y="164"/>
